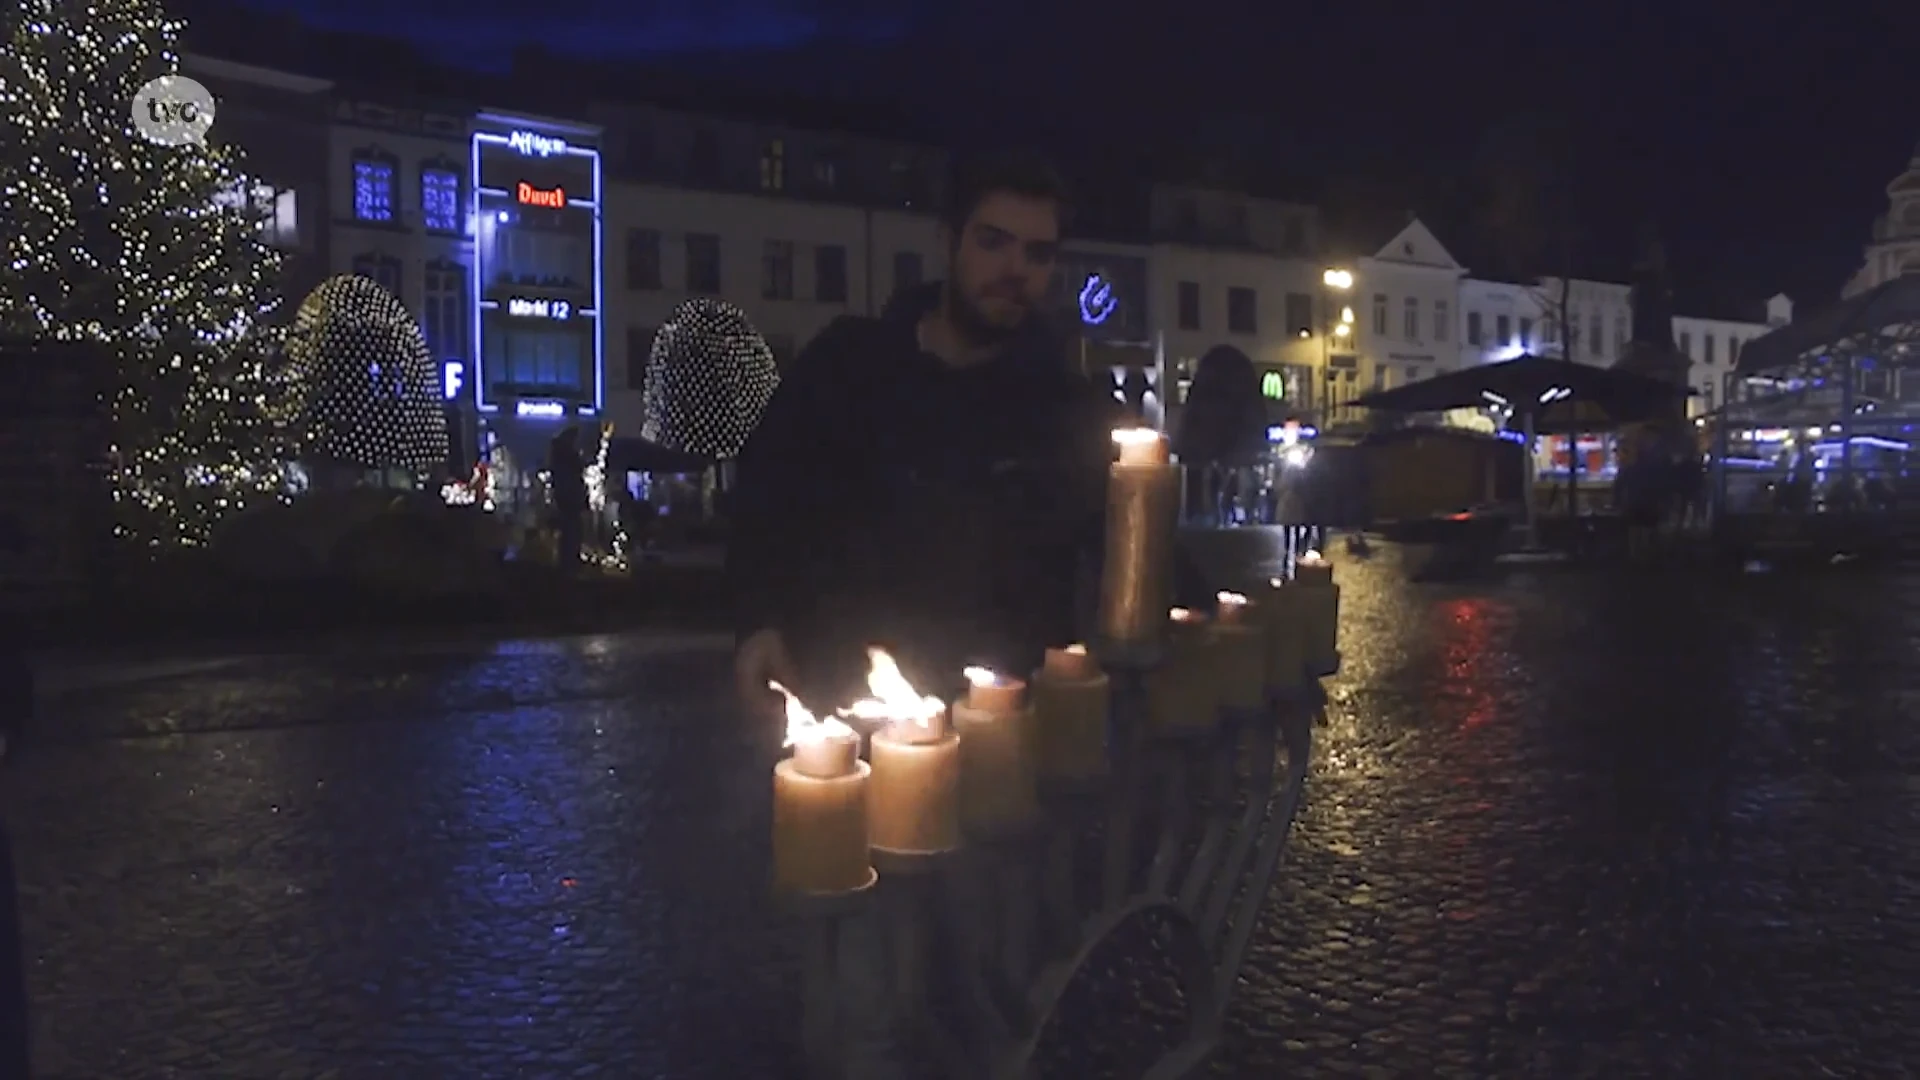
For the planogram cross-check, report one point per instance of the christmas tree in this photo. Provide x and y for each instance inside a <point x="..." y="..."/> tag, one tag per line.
<point x="150" y="255"/>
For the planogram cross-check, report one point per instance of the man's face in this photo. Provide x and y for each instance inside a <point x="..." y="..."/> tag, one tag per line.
<point x="1003" y="262"/>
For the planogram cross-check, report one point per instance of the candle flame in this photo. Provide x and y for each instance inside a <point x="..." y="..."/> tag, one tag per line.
<point x="892" y="696"/>
<point x="1276" y="583"/>
<point x="803" y="726"/>
<point x="1075" y="649"/>
<point x="1230" y="599"/>
<point x="1135" y="436"/>
<point x="979" y="676"/>
<point x="1181" y="614"/>
<point x="1311" y="558"/>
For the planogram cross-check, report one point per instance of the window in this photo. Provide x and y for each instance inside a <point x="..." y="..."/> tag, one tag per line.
<point x="1187" y="300"/>
<point x="384" y="269"/>
<point x="373" y="180"/>
<point x="1573" y="335"/>
<point x="1706" y="348"/>
<point x="1410" y="321"/>
<point x="830" y="274"/>
<point x="1380" y="314"/>
<point x="1619" y="334"/>
<point x="1293" y="237"/>
<point x="538" y="361"/>
<point x="776" y="270"/>
<point x="440" y="199"/>
<point x="910" y="180"/>
<point x="1473" y="328"/>
<point x="1597" y="341"/>
<point x="445" y="310"/>
<point x="639" y="353"/>
<point x="1503" y="330"/>
<point x="1442" y="320"/>
<point x="1242" y="311"/>
<point x="703" y="263"/>
<point x="1686" y="342"/>
<point x="1733" y="350"/>
<point x="703" y="157"/>
<point x="643" y="258"/>
<point x="908" y="270"/>
<point x="826" y="170"/>
<point x="1299" y="313"/>
<point x="1526" y="333"/>
<point x="773" y="166"/>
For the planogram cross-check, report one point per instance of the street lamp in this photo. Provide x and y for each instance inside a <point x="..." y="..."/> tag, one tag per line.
<point x="1338" y="281"/>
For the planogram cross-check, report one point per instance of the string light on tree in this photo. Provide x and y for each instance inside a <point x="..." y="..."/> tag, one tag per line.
<point x="708" y="378"/>
<point x="368" y="390"/>
<point x="150" y="257"/>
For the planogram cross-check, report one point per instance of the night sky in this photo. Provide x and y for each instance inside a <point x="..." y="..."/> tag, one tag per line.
<point x="1759" y="138"/>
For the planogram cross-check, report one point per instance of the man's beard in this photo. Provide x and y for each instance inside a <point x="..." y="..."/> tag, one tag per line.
<point x="975" y="330"/>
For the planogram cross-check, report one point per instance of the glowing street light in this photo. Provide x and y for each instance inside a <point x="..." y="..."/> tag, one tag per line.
<point x="1342" y="330"/>
<point x="1337" y="279"/>
<point x="1346" y="315"/>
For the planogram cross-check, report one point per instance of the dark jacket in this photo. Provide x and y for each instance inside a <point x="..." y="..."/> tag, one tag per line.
<point x="946" y="513"/>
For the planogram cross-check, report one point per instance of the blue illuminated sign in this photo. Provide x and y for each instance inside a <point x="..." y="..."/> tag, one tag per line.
<point x="496" y="208"/>
<point x="453" y="376"/>
<point x="540" y="309"/>
<point x="542" y="409"/>
<point x="1097" y="302"/>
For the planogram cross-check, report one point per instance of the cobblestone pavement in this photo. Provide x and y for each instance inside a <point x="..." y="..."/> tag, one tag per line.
<point x="1561" y="826"/>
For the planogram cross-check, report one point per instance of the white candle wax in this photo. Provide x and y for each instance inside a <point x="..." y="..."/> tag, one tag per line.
<point x="1071" y="698"/>
<point x="996" y="767"/>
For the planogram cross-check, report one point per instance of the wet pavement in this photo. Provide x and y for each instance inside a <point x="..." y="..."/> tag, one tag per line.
<point x="1561" y="826"/>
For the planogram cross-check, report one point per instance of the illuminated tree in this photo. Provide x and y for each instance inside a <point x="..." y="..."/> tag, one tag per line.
<point x="708" y="378"/>
<point x="151" y="256"/>
<point x="362" y="381"/>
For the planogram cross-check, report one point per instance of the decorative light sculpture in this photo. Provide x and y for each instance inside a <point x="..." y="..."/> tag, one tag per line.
<point x="368" y="389"/>
<point x="708" y="378"/>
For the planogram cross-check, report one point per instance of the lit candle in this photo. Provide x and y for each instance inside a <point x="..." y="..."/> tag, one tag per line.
<point x="1284" y="615"/>
<point x="1321" y="599"/>
<point x="914" y="799"/>
<point x="819" y="807"/>
<point x="1071" y="697"/>
<point x="1137" y="575"/>
<point x="1240" y="653"/>
<point x="1183" y="693"/>
<point x="996" y="767"/>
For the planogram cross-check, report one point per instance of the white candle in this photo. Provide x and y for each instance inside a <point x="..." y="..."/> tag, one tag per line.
<point x="819" y="807"/>
<point x="1183" y="693"/>
<point x="996" y="767"/>
<point x="1071" y="697"/>
<point x="914" y="798"/>
<point x="1240" y="653"/>
<point x="1143" y="490"/>
<point x="1284" y="615"/>
<point x="1321" y="600"/>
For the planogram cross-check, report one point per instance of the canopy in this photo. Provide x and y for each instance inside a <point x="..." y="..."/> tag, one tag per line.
<point x="1883" y="322"/>
<point x="1538" y="386"/>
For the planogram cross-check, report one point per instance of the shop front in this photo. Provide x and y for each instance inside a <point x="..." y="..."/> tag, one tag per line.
<point x="538" y="369"/>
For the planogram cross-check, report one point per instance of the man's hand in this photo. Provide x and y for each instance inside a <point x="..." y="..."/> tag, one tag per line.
<point x="762" y="658"/>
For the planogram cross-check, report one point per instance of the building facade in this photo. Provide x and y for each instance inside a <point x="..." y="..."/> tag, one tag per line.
<point x="1893" y="247"/>
<point x="1407" y="302"/>
<point x="1714" y="346"/>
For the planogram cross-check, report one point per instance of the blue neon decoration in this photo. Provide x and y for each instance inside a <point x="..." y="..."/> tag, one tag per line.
<point x="534" y="144"/>
<point x="545" y="410"/>
<point x="453" y="375"/>
<point x="1097" y="302"/>
<point x="524" y="308"/>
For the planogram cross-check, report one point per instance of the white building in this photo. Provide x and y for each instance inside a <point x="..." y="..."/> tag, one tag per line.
<point x="1406" y="299"/>
<point x="1714" y="347"/>
<point x="1231" y="269"/>
<point x="1499" y="320"/>
<point x="1894" y="246"/>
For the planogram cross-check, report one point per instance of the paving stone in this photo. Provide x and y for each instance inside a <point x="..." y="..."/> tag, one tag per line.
<point x="1560" y="826"/>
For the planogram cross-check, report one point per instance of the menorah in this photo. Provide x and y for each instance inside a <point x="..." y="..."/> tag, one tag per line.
<point x="952" y="885"/>
<point x="956" y="961"/>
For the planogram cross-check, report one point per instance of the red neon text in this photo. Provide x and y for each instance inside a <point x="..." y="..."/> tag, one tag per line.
<point x="533" y="196"/>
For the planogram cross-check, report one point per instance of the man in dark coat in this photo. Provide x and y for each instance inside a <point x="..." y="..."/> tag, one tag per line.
<point x="930" y="480"/>
<point x="567" y="471"/>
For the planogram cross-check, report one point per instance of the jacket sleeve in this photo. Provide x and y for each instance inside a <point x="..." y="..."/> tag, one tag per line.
<point x="784" y="481"/>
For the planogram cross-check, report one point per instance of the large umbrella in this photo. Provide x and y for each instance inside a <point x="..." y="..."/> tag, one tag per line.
<point x="1536" y="388"/>
<point x="1888" y="313"/>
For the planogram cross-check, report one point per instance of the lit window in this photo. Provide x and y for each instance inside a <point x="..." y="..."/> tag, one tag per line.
<point x="440" y="199"/>
<point x="773" y="167"/>
<point x="373" y="187"/>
